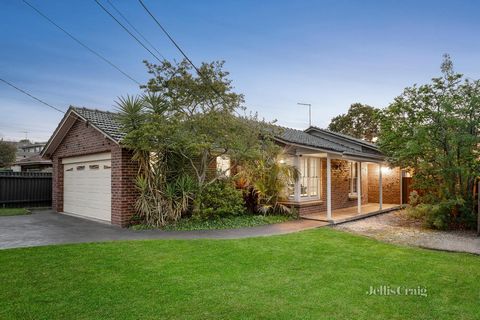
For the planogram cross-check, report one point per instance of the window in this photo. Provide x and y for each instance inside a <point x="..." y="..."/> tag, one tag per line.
<point x="310" y="177"/>
<point x="288" y="160"/>
<point x="79" y="168"/>
<point x="223" y="166"/>
<point x="94" y="167"/>
<point x="353" y="178"/>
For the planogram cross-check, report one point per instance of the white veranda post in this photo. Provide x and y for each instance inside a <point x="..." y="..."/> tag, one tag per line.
<point x="380" y="189"/>
<point x="329" y="188"/>
<point x="359" y="187"/>
<point x="298" y="184"/>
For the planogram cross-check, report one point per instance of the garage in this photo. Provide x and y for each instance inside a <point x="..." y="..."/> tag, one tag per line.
<point x="87" y="186"/>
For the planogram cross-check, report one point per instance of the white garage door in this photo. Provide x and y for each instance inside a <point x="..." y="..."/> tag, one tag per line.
<point x="87" y="186"/>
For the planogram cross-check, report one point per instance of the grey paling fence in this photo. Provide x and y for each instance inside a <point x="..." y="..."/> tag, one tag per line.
<point x="25" y="189"/>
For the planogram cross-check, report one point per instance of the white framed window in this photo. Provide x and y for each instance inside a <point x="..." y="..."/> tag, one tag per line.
<point x="353" y="177"/>
<point x="309" y="178"/>
<point x="223" y="166"/>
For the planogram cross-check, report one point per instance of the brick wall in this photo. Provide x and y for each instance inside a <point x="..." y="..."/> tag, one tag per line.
<point x="390" y="185"/>
<point x="81" y="140"/>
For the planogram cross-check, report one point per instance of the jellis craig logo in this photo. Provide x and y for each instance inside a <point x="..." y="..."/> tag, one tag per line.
<point x="397" y="291"/>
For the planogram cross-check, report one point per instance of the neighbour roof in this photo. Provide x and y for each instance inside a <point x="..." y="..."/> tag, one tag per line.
<point x="313" y="137"/>
<point x="36" y="159"/>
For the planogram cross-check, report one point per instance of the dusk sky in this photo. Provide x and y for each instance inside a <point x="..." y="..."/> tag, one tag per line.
<point x="327" y="53"/>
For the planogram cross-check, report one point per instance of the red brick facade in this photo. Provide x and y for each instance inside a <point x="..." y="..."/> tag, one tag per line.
<point x="390" y="184"/>
<point x="83" y="139"/>
<point x="341" y="187"/>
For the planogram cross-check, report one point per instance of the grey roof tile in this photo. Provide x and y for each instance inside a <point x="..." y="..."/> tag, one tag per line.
<point x="104" y="120"/>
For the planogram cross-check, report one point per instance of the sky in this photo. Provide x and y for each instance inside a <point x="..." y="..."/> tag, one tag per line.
<point x="326" y="53"/>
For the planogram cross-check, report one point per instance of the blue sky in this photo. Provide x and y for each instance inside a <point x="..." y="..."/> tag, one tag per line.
<point x="327" y="53"/>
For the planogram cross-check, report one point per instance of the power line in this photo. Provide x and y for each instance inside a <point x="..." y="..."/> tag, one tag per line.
<point x="81" y="43"/>
<point x="180" y="49"/>
<point x="31" y="96"/>
<point x="169" y="37"/>
<point x="135" y="29"/>
<point x="128" y="31"/>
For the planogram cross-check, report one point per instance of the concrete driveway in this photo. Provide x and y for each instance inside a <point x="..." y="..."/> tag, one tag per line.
<point x="46" y="227"/>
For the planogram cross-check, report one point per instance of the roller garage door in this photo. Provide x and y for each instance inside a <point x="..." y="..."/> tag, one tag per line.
<point x="87" y="186"/>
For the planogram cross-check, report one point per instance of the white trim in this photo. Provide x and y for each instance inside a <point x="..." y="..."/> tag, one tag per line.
<point x="88" y="158"/>
<point x="55" y="133"/>
<point x="380" y="187"/>
<point x="329" y="188"/>
<point x="359" y="187"/>
<point x="297" y="187"/>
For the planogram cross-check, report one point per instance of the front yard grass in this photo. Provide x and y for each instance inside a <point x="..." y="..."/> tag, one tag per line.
<point x="316" y="274"/>
<point x="232" y="222"/>
<point x="13" y="211"/>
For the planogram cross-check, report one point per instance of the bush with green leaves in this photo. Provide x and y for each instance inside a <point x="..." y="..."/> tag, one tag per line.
<point x="219" y="199"/>
<point x="446" y="214"/>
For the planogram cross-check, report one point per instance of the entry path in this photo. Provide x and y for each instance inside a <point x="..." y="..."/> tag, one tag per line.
<point x="46" y="228"/>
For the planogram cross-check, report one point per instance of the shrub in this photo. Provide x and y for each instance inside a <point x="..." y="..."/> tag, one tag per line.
<point x="414" y="198"/>
<point x="446" y="214"/>
<point x="219" y="199"/>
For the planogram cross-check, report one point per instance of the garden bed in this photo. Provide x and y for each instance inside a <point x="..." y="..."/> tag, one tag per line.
<point x="233" y="222"/>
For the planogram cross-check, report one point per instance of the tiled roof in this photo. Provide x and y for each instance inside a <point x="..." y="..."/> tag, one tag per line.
<point x="108" y="123"/>
<point x="345" y="136"/>
<point x="303" y="138"/>
<point x="104" y="120"/>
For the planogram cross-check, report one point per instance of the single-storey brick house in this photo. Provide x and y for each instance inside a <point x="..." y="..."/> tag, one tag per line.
<point x="93" y="175"/>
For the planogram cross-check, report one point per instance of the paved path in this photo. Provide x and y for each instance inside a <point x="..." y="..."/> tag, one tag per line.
<point x="46" y="228"/>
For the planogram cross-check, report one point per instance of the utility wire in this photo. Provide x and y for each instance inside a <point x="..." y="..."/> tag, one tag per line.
<point x="31" y="96"/>
<point x="81" y="43"/>
<point x="169" y="37"/>
<point x="180" y="49"/>
<point x="135" y="29"/>
<point x="129" y="32"/>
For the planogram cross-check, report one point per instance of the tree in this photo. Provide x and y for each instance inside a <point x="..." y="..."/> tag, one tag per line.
<point x="361" y="121"/>
<point x="434" y="129"/>
<point x="181" y="124"/>
<point x="7" y="154"/>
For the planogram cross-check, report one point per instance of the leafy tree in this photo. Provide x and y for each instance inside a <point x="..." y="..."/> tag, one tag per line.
<point x="180" y="125"/>
<point x="361" y="121"/>
<point x="434" y="130"/>
<point x="7" y="154"/>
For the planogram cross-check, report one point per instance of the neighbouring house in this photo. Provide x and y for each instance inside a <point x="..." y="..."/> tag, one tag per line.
<point x="34" y="163"/>
<point x="28" y="157"/>
<point x="94" y="176"/>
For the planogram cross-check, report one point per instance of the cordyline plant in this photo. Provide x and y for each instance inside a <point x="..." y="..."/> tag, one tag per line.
<point x="434" y="130"/>
<point x="178" y="128"/>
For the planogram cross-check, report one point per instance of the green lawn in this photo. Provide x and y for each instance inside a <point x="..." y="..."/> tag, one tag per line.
<point x="13" y="211"/>
<point x="222" y="223"/>
<point x="316" y="274"/>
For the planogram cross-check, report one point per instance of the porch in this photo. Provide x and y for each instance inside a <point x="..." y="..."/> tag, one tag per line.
<point x="351" y="213"/>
